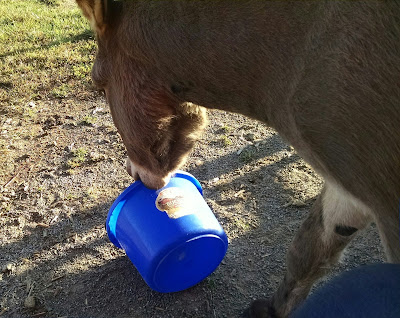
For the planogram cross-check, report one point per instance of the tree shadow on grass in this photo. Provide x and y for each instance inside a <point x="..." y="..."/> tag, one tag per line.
<point x="83" y="36"/>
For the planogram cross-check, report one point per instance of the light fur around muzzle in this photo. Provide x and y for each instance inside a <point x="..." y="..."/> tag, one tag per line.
<point x="150" y="180"/>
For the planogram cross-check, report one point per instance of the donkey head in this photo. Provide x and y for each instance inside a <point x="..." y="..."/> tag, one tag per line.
<point x="157" y="128"/>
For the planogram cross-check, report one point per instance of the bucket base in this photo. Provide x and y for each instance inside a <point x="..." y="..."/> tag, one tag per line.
<point x="189" y="263"/>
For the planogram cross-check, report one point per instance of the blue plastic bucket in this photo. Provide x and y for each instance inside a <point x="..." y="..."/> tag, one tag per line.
<point x="170" y="235"/>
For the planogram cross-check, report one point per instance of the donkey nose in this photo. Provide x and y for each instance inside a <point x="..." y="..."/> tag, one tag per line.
<point x="150" y="180"/>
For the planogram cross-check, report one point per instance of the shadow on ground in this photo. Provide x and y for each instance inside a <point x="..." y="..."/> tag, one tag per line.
<point x="91" y="278"/>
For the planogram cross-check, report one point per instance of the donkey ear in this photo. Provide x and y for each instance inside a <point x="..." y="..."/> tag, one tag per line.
<point x="96" y="12"/>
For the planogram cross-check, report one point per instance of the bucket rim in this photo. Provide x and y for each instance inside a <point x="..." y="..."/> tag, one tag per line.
<point x="117" y="205"/>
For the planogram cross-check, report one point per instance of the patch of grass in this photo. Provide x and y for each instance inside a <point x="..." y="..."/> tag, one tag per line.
<point x="30" y="113"/>
<point x="78" y="158"/>
<point x="46" y="51"/>
<point x="88" y="120"/>
<point x="248" y="155"/>
<point x="82" y="71"/>
<point x="226" y="129"/>
<point x="210" y="283"/>
<point x="60" y="91"/>
<point x="71" y="197"/>
<point x="225" y="141"/>
<point x="241" y="224"/>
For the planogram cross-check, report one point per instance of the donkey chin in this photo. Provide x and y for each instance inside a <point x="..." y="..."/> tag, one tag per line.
<point x="150" y="180"/>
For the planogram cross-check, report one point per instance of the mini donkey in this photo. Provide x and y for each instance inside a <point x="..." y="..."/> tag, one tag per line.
<point x="324" y="74"/>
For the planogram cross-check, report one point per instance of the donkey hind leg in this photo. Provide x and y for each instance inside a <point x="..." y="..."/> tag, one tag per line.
<point x="331" y="224"/>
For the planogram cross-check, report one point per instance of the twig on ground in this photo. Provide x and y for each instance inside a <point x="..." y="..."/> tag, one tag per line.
<point x="14" y="176"/>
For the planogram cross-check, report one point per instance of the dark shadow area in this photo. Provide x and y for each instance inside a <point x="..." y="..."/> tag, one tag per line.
<point x="93" y="278"/>
<point x="83" y="36"/>
<point x="223" y="164"/>
<point x="57" y="233"/>
<point x="50" y="2"/>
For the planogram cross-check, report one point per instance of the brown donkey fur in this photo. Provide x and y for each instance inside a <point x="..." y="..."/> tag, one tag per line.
<point x="324" y="74"/>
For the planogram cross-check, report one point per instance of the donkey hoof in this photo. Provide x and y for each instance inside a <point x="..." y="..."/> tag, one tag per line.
<point x="260" y="308"/>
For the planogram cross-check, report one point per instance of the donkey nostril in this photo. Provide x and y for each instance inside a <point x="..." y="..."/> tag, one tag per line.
<point x="179" y="88"/>
<point x="176" y="89"/>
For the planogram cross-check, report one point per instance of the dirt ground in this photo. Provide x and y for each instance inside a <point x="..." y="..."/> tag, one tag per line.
<point x="60" y="175"/>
